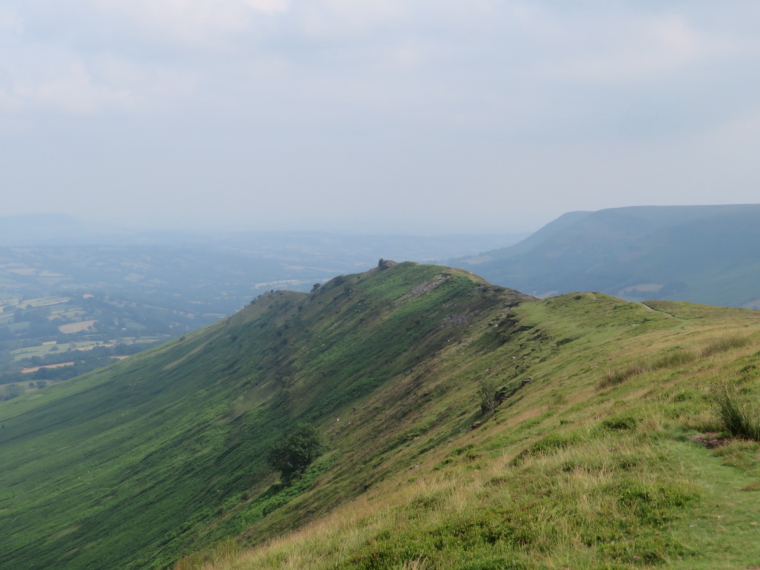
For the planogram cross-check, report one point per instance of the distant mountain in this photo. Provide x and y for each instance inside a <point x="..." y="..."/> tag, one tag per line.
<point x="703" y="254"/>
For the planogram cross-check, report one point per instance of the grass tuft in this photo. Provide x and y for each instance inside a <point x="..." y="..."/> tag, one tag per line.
<point x="738" y="417"/>
<point x="674" y="359"/>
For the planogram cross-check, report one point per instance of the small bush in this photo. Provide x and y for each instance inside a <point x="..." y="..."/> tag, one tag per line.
<point x="704" y="421"/>
<point x="672" y="360"/>
<point x="422" y="505"/>
<point x="558" y="399"/>
<point x="498" y="481"/>
<point x="487" y="393"/>
<point x="550" y="443"/>
<point x="724" y="344"/>
<point x="647" y="551"/>
<point x="737" y="416"/>
<point x="292" y="455"/>
<point x="464" y="449"/>
<point x="653" y="504"/>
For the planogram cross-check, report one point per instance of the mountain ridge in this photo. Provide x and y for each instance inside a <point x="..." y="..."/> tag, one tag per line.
<point x="160" y="459"/>
<point x="267" y="393"/>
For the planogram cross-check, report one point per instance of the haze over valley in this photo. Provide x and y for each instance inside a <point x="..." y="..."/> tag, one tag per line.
<point x="384" y="285"/>
<point x="75" y="296"/>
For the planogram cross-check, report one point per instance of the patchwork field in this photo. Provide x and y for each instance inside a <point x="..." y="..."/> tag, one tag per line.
<point x="76" y="327"/>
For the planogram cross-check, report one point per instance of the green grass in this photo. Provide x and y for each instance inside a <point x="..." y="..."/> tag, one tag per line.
<point x="138" y="461"/>
<point x="724" y="344"/>
<point x="725" y="524"/>
<point x="585" y="480"/>
<point x="673" y="359"/>
<point x="161" y="457"/>
<point x="608" y="502"/>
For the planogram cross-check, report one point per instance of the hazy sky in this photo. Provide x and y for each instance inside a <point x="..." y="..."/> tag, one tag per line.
<point x="435" y="116"/>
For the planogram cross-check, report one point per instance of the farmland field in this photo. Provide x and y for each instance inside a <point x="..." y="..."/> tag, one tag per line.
<point x="76" y="327"/>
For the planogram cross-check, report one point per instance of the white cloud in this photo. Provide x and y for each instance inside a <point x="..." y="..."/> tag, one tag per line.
<point x="332" y="19"/>
<point x="268" y="98"/>
<point x="189" y="22"/>
<point x="451" y="52"/>
<point x="641" y="49"/>
<point x="11" y="22"/>
<point x="45" y="78"/>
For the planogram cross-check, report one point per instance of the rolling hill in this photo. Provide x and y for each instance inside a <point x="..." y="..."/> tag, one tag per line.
<point x="467" y="426"/>
<point x="701" y="254"/>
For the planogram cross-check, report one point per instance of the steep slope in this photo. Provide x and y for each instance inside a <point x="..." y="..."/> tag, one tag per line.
<point x="704" y="254"/>
<point x="585" y="463"/>
<point x="600" y="462"/>
<point x="536" y="238"/>
<point x="123" y="467"/>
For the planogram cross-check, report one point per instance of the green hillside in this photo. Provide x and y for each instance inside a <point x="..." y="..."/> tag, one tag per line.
<point x="701" y="254"/>
<point x="468" y="426"/>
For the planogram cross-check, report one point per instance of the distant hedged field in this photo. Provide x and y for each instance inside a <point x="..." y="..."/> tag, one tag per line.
<point x="57" y="338"/>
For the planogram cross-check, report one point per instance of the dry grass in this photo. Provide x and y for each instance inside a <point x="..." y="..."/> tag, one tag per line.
<point x="616" y="377"/>
<point x="724" y="344"/>
<point x="583" y="482"/>
<point x="703" y="421"/>
<point x="598" y="500"/>
<point x="673" y="359"/>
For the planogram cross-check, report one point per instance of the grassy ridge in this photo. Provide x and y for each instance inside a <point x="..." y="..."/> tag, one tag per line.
<point x="567" y="473"/>
<point x="129" y="466"/>
<point x="138" y="464"/>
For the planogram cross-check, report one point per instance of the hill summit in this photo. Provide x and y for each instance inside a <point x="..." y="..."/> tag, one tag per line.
<point x="463" y="425"/>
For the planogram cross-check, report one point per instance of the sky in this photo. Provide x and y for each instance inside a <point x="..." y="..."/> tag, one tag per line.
<point x="378" y="116"/>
